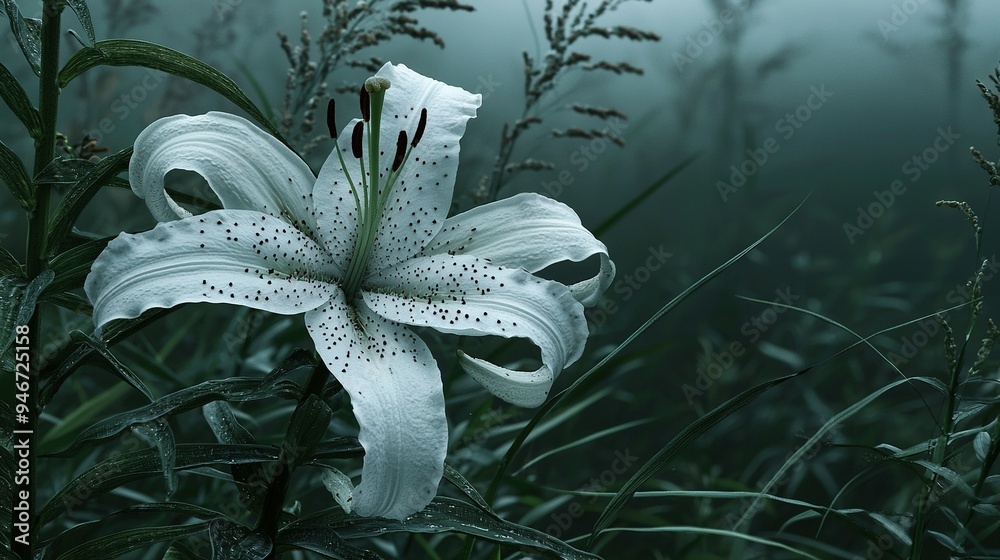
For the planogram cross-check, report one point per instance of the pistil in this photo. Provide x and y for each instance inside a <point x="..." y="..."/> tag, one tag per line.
<point x="376" y="188"/>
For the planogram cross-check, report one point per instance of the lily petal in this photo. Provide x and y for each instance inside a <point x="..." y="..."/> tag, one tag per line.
<point x="422" y="196"/>
<point x="462" y="294"/>
<point x="224" y="256"/>
<point x="528" y="231"/>
<point x="396" y="393"/>
<point x="247" y="168"/>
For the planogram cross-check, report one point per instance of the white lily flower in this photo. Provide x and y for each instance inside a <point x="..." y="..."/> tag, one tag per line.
<point x="362" y="255"/>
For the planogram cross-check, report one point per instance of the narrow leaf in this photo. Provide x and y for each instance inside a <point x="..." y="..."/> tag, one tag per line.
<point x="687" y="436"/>
<point x="27" y="35"/>
<point x="118" y="544"/>
<point x="136" y="465"/>
<point x="104" y="358"/>
<point x="61" y="434"/>
<point x="231" y="541"/>
<point x="443" y="515"/>
<point x="80" y="194"/>
<point x="161" y="438"/>
<point x="233" y="388"/>
<point x="137" y="515"/>
<point x="83" y="14"/>
<point x="841" y="416"/>
<point x="252" y="487"/>
<point x="13" y="174"/>
<point x="646" y="193"/>
<point x="17" y="99"/>
<point x="8" y="264"/>
<point x="322" y="540"/>
<point x="129" y="52"/>
<point x="460" y="482"/>
<point x="306" y="429"/>
<point x="18" y="304"/>
<point x="72" y="266"/>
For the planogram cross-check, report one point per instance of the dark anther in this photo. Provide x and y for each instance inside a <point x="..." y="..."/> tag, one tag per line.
<point x="400" y="150"/>
<point x="420" y="128"/>
<point x="366" y="107"/>
<point x="331" y="121"/>
<point x="359" y="129"/>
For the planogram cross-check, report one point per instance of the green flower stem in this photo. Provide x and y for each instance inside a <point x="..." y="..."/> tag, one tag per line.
<point x="277" y="490"/>
<point x="369" y="216"/>
<point x="37" y="260"/>
<point x="940" y="451"/>
<point x="45" y="144"/>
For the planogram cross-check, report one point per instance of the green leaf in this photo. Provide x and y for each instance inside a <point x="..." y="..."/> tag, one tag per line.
<point x="682" y="440"/>
<point x="72" y="356"/>
<point x="17" y="99"/>
<point x="306" y="429"/>
<point x="138" y="515"/>
<point x="322" y="540"/>
<point x="178" y="551"/>
<point x="343" y="447"/>
<point x="61" y="434"/>
<point x="460" y="482"/>
<point x="109" y="362"/>
<point x="947" y="542"/>
<point x="646" y="193"/>
<point x="442" y="515"/>
<point x="136" y="465"/>
<point x="9" y="265"/>
<point x="13" y="174"/>
<point x="222" y="421"/>
<point x="161" y="438"/>
<point x="299" y="357"/>
<point x="28" y="35"/>
<point x="80" y="194"/>
<point x="795" y="457"/>
<point x="231" y="541"/>
<point x="231" y="389"/>
<point x="129" y="52"/>
<point x="72" y="266"/>
<point x="118" y="544"/>
<point x="17" y="304"/>
<point x="83" y="14"/>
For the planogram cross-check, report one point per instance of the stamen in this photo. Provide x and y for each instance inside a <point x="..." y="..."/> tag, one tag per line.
<point x="400" y="150"/>
<point x="366" y="106"/>
<point x="356" y="138"/>
<point x="420" y="128"/>
<point x="331" y="121"/>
